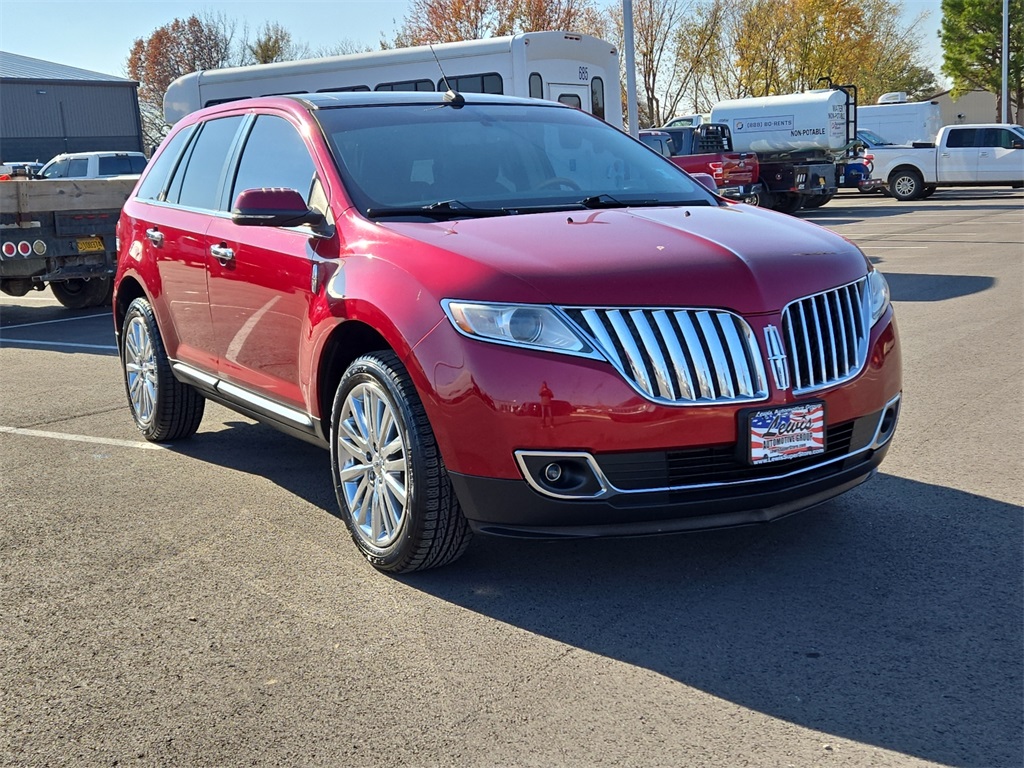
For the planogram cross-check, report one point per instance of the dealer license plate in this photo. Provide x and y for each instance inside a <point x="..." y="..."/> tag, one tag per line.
<point x="793" y="432"/>
<point x="90" y="244"/>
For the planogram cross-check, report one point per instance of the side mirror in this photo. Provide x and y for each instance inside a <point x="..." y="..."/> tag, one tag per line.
<point x="1017" y="145"/>
<point x="273" y="207"/>
<point x="707" y="180"/>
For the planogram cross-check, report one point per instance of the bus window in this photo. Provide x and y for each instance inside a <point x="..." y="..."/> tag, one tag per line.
<point x="536" y="86"/>
<point x="212" y="102"/>
<point x="406" y="85"/>
<point x="571" y="99"/>
<point x="489" y="83"/>
<point x="345" y="89"/>
<point x="597" y="97"/>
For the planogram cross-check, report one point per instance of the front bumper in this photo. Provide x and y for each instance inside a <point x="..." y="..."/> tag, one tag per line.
<point x="707" y="496"/>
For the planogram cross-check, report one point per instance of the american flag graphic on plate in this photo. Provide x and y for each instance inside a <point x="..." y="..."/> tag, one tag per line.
<point x="792" y="432"/>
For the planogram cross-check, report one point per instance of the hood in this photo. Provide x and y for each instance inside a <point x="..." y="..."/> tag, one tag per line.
<point x="737" y="257"/>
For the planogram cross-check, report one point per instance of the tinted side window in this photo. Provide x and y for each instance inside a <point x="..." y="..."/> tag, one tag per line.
<point x="153" y="186"/>
<point x="997" y="137"/>
<point x="204" y="169"/>
<point x="274" y="156"/>
<point x="961" y="137"/>
<point x="78" y="168"/>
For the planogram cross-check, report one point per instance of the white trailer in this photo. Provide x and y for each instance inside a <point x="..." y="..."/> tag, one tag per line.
<point x="578" y="70"/>
<point x="904" y="122"/>
<point x="801" y="140"/>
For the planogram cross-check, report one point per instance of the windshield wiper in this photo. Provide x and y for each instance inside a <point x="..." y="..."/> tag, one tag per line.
<point x="443" y="211"/>
<point x="607" y="201"/>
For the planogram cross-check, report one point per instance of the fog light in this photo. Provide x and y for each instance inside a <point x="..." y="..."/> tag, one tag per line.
<point x="553" y="473"/>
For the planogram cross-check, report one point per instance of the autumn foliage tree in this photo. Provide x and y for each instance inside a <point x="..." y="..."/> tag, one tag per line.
<point x="449" y="21"/>
<point x="173" y="50"/>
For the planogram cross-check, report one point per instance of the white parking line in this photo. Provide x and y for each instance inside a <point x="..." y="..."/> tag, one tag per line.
<point x="83" y="438"/>
<point x="61" y="320"/>
<point x="110" y="348"/>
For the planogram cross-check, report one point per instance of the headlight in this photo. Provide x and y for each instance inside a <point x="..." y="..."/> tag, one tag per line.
<point x="878" y="295"/>
<point x="521" y="325"/>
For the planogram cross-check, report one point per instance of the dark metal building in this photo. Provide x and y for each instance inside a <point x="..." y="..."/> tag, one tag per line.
<point x="48" y="108"/>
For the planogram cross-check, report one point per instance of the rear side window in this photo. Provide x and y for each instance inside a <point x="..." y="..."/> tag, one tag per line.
<point x="274" y="156"/>
<point x="115" y="165"/>
<point x="197" y="183"/>
<point x="961" y="137"/>
<point x="155" y="183"/>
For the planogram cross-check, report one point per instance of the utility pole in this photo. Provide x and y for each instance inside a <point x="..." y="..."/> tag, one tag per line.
<point x="1006" y="62"/>
<point x="631" y="111"/>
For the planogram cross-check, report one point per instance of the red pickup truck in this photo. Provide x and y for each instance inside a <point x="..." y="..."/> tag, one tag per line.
<point x="708" y="149"/>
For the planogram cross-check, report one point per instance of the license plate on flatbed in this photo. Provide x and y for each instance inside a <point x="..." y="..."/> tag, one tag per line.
<point x="790" y="432"/>
<point x="90" y="244"/>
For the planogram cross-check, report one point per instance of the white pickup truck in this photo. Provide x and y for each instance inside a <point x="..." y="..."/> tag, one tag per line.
<point x="962" y="156"/>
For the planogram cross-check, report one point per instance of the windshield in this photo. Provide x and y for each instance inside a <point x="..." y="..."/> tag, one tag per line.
<point x="396" y="159"/>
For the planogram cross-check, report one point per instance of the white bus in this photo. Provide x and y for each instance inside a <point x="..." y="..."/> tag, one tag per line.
<point x="578" y="70"/>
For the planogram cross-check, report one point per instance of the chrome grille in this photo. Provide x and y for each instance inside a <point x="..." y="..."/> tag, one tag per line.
<point x="681" y="356"/>
<point x="827" y="335"/>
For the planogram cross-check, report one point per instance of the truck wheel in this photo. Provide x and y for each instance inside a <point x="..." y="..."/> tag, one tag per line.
<point x="391" y="482"/>
<point x="929" y="190"/>
<point x="164" y="409"/>
<point x="816" y="201"/>
<point x="906" y="185"/>
<point x="79" y="294"/>
<point x="787" y="202"/>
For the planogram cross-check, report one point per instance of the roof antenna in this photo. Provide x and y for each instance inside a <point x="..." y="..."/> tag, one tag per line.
<point x="450" y="95"/>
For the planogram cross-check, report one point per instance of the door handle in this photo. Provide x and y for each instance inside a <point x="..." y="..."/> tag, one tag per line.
<point x="155" y="236"/>
<point x="222" y="253"/>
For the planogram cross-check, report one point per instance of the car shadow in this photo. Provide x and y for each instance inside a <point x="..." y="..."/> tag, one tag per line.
<point x="915" y="287"/>
<point x="891" y="616"/>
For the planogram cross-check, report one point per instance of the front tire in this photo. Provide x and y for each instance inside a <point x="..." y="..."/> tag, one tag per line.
<point x="80" y="294"/>
<point x="392" y="486"/>
<point x="164" y="409"/>
<point x="906" y="185"/>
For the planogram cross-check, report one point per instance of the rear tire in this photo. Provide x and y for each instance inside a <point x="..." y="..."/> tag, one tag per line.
<point x="79" y="294"/>
<point x="164" y="409"/>
<point x="906" y="185"/>
<point x="816" y="201"/>
<point x="787" y="202"/>
<point x="392" y="486"/>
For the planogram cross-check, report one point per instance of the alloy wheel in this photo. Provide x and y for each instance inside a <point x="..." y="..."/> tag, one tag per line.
<point x="374" y="465"/>
<point x="140" y="367"/>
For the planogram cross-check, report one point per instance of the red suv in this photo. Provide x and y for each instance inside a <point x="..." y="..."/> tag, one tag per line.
<point x="501" y="315"/>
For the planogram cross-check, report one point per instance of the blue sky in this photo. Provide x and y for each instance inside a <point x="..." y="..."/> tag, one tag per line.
<point x="98" y="34"/>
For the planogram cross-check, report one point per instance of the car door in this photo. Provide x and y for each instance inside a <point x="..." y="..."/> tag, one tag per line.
<point x="958" y="157"/>
<point x="175" y="234"/>
<point x="261" y="278"/>
<point x="1001" y="156"/>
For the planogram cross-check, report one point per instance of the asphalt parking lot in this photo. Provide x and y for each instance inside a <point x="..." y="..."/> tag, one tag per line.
<point x="201" y="604"/>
